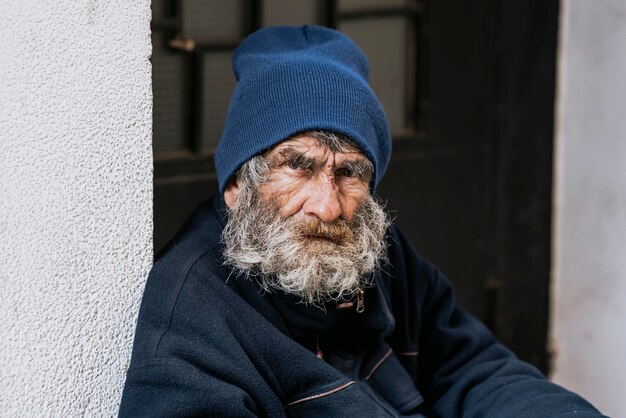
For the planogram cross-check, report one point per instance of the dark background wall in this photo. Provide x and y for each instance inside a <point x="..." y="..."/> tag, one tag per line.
<point x="468" y="87"/>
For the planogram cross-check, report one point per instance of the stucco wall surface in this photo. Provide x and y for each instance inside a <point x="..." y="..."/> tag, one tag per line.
<point x="589" y="305"/>
<point x="75" y="200"/>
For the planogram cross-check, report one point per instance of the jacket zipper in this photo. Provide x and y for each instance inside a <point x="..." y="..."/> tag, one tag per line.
<point x="360" y="300"/>
<point x="360" y="308"/>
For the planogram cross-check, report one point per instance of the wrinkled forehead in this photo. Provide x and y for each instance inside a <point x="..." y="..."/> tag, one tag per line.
<point x="313" y="143"/>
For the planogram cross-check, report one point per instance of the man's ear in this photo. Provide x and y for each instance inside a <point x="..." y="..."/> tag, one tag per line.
<point x="231" y="191"/>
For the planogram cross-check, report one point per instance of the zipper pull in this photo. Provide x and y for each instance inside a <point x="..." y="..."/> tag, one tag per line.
<point x="360" y="300"/>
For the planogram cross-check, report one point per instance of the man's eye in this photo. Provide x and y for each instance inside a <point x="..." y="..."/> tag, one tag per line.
<point x="294" y="165"/>
<point x="298" y="165"/>
<point x="347" y="172"/>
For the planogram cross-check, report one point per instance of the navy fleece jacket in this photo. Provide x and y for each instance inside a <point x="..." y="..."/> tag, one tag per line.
<point x="209" y="343"/>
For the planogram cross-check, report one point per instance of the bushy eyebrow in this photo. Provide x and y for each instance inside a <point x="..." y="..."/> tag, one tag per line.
<point x="296" y="158"/>
<point x="361" y="168"/>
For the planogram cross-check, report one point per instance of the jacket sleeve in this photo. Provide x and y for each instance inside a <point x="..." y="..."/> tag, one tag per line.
<point x="463" y="371"/>
<point x="165" y="387"/>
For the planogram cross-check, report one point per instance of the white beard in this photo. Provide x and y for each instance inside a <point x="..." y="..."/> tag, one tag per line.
<point x="314" y="260"/>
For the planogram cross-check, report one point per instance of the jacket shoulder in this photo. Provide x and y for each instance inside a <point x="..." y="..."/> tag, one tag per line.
<point x="194" y="252"/>
<point x="406" y="270"/>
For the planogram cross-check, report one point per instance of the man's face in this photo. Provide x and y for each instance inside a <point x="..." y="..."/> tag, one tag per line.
<point x="309" y="181"/>
<point x="308" y="225"/>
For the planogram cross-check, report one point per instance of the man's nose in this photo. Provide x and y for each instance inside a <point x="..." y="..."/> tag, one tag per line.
<point x="323" y="201"/>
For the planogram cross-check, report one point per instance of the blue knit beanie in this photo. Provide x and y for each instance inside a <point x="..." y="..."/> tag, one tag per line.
<point x="295" y="79"/>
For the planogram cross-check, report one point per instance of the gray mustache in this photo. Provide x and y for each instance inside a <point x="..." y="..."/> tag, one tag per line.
<point x="339" y="231"/>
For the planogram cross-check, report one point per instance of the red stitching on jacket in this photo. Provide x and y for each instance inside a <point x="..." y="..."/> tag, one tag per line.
<point x="321" y="395"/>
<point x="377" y="365"/>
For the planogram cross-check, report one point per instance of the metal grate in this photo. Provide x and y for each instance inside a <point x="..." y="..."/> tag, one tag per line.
<point x="289" y="12"/>
<point x="218" y="83"/>
<point x="210" y="21"/>
<point x="168" y="76"/>
<point x="192" y="87"/>
<point x="359" y="5"/>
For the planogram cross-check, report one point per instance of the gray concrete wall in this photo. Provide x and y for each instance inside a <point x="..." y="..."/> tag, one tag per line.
<point x="75" y="200"/>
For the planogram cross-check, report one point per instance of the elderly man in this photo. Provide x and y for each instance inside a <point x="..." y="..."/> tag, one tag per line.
<point x="291" y="293"/>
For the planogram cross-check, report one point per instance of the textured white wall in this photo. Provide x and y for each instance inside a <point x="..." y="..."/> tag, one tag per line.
<point x="589" y="305"/>
<point x="75" y="200"/>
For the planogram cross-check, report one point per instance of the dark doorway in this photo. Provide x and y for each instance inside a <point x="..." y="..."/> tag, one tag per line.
<point x="469" y="91"/>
